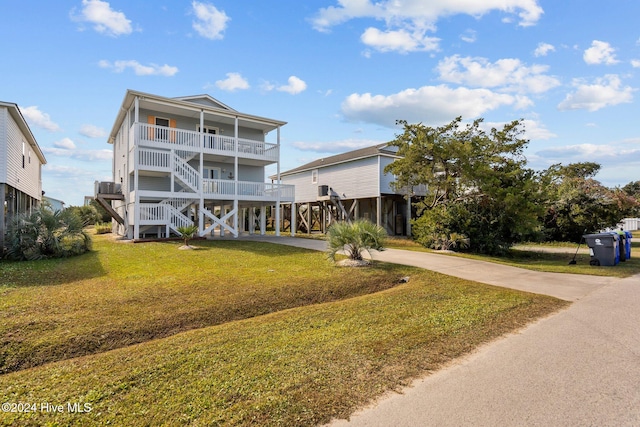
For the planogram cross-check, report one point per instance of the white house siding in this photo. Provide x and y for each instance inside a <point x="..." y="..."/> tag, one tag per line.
<point x="25" y="179"/>
<point x="4" y="113"/>
<point x="386" y="179"/>
<point x="350" y="180"/>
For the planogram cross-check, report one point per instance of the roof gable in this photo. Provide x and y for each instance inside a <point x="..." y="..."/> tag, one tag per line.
<point x="361" y="153"/>
<point x="17" y="116"/>
<point x="205" y="100"/>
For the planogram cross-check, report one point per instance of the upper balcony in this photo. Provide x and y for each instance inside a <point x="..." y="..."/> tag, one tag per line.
<point x="148" y="135"/>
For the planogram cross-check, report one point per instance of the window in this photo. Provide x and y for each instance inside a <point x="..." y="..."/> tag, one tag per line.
<point x="22" y="154"/>
<point x="211" y="173"/>
<point x="314" y="176"/>
<point x="162" y="134"/>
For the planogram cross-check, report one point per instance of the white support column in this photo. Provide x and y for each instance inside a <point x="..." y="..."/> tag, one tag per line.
<point x="235" y="177"/>
<point x="378" y="210"/>
<point x="263" y="219"/>
<point x="278" y="192"/>
<point x="201" y="226"/>
<point x="136" y="202"/>
<point x="252" y="220"/>
<point x="293" y="219"/>
<point x="136" y="206"/>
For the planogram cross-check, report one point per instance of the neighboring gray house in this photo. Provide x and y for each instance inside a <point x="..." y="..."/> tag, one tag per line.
<point x="190" y="160"/>
<point x="54" y="204"/>
<point x="348" y="186"/>
<point x="21" y="163"/>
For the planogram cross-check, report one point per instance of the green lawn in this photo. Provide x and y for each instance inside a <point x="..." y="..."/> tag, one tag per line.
<point x="235" y="333"/>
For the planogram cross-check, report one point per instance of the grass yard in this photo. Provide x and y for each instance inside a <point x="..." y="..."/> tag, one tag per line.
<point x="235" y="333"/>
<point x="537" y="258"/>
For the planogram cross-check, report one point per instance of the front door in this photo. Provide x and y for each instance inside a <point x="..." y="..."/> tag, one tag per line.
<point x="210" y="141"/>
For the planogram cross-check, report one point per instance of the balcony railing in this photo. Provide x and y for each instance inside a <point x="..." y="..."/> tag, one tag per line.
<point x="247" y="190"/>
<point x="161" y="136"/>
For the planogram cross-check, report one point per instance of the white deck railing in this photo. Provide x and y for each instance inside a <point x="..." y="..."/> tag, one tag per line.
<point x="247" y="189"/>
<point x="162" y="214"/>
<point x="152" y="135"/>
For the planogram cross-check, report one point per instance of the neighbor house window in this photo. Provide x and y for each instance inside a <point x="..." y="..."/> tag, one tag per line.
<point x="314" y="176"/>
<point x="22" y="154"/>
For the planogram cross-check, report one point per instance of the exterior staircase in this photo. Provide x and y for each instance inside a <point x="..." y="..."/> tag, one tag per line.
<point x="185" y="174"/>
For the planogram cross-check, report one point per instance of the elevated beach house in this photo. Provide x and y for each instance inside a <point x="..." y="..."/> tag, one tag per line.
<point x="191" y="160"/>
<point x="350" y="186"/>
<point x="21" y="163"/>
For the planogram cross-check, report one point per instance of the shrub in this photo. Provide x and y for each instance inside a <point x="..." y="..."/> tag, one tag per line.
<point x="355" y="238"/>
<point x="103" y="228"/>
<point x="187" y="233"/>
<point x="46" y="234"/>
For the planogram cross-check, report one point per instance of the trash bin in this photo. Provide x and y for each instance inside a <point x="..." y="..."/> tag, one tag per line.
<point x="622" y="244"/>
<point x="628" y="243"/>
<point x="603" y="248"/>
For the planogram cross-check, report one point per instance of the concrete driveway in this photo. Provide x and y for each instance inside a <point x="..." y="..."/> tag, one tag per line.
<point x="579" y="367"/>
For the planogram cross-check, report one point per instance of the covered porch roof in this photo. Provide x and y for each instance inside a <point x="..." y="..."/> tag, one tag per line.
<point x="192" y="106"/>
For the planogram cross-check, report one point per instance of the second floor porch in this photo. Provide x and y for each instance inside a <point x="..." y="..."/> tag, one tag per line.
<point x="221" y="146"/>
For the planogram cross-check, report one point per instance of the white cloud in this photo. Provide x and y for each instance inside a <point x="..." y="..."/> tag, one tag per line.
<point x="401" y="40"/>
<point x="233" y="82"/>
<point x="600" y="53"/>
<point x="65" y="144"/>
<point x="294" y="86"/>
<point x="469" y="36"/>
<point x="335" y="146"/>
<point x="407" y="21"/>
<point x="433" y="105"/>
<point x="543" y="49"/>
<point x="611" y="155"/>
<point x="92" y="131"/>
<point x="533" y="129"/>
<point x="635" y="63"/>
<point x="604" y="92"/>
<point x="210" y="22"/>
<point x="139" y="69"/>
<point x="420" y="12"/>
<point x="104" y="19"/>
<point x="267" y="86"/>
<point x="506" y="74"/>
<point x="37" y="118"/>
<point x="85" y="155"/>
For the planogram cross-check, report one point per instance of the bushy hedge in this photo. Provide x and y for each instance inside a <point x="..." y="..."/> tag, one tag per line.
<point x="46" y="234"/>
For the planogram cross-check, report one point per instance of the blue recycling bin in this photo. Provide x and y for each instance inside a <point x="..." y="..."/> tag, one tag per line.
<point x="622" y="244"/>
<point x="603" y="248"/>
<point x="627" y="243"/>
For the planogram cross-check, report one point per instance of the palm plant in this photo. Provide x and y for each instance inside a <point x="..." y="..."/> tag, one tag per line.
<point x="187" y="232"/>
<point x="355" y="238"/>
<point x="45" y="233"/>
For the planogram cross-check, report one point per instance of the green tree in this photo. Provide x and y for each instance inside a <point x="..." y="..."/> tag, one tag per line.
<point x="88" y="213"/>
<point x="578" y="203"/>
<point x="632" y="191"/>
<point x="478" y="186"/>
<point x="355" y="238"/>
<point x="46" y="234"/>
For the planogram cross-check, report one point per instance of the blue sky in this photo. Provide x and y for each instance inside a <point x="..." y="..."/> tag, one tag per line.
<point x="339" y="72"/>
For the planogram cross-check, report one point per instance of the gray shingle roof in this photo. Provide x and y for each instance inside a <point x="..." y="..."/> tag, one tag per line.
<point x="361" y="153"/>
